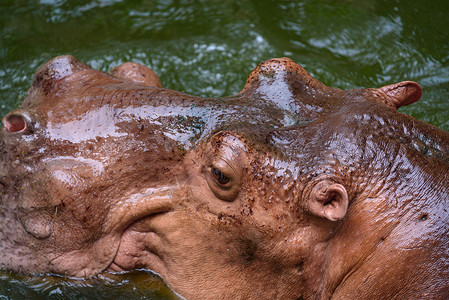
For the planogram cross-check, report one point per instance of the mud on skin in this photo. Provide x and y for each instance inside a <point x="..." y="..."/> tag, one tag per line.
<point x="288" y="190"/>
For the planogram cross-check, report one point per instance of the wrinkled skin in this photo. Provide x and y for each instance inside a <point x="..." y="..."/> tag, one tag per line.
<point x="288" y="190"/>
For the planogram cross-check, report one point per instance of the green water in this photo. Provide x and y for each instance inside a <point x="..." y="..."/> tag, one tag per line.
<point x="129" y="286"/>
<point x="209" y="47"/>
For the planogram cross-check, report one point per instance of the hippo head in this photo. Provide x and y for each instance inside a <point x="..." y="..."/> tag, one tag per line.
<point x="270" y="193"/>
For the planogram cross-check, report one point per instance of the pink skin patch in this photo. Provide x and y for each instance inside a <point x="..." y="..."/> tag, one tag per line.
<point x="15" y="123"/>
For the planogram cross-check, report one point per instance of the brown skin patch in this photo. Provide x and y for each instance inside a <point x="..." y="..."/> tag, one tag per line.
<point x="118" y="173"/>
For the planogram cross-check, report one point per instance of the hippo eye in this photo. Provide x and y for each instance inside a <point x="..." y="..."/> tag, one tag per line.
<point x="223" y="180"/>
<point x="225" y="164"/>
<point x="219" y="177"/>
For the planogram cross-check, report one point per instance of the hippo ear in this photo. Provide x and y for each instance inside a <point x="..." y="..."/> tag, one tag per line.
<point x="328" y="199"/>
<point x="137" y="73"/>
<point x="402" y="93"/>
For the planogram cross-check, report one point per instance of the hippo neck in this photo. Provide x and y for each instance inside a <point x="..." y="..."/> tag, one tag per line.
<point x="400" y="232"/>
<point x="411" y="168"/>
<point x="405" y="192"/>
<point x="396" y="159"/>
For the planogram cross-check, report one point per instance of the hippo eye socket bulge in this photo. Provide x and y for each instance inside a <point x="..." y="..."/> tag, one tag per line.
<point x="224" y="165"/>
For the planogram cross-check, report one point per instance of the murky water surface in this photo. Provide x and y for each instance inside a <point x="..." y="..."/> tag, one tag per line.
<point x="208" y="48"/>
<point x="132" y="285"/>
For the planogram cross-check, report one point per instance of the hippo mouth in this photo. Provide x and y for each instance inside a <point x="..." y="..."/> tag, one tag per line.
<point x="140" y="247"/>
<point x="140" y="244"/>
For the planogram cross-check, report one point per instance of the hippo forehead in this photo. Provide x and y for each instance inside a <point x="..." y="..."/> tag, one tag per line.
<point x="69" y="102"/>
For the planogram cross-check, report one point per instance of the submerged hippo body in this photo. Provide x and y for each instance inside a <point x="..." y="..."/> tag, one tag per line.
<point x="287" y="190"/>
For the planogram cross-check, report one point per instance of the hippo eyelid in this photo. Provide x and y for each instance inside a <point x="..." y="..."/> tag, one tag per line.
<point x="17" y="122"/>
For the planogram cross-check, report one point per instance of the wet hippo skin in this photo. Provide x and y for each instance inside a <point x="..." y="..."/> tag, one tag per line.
<point x="288" y="190"/>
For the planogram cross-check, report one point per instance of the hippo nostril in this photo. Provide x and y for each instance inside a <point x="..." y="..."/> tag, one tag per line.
<point x="16" y="122"/>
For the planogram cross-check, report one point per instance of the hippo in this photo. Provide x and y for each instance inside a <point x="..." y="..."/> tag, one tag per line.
<point x="287" y="190"/>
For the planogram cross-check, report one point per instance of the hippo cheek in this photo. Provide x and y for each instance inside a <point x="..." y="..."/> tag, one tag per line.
<point x="91" y="257"/>
<point x="64" y="227"/>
